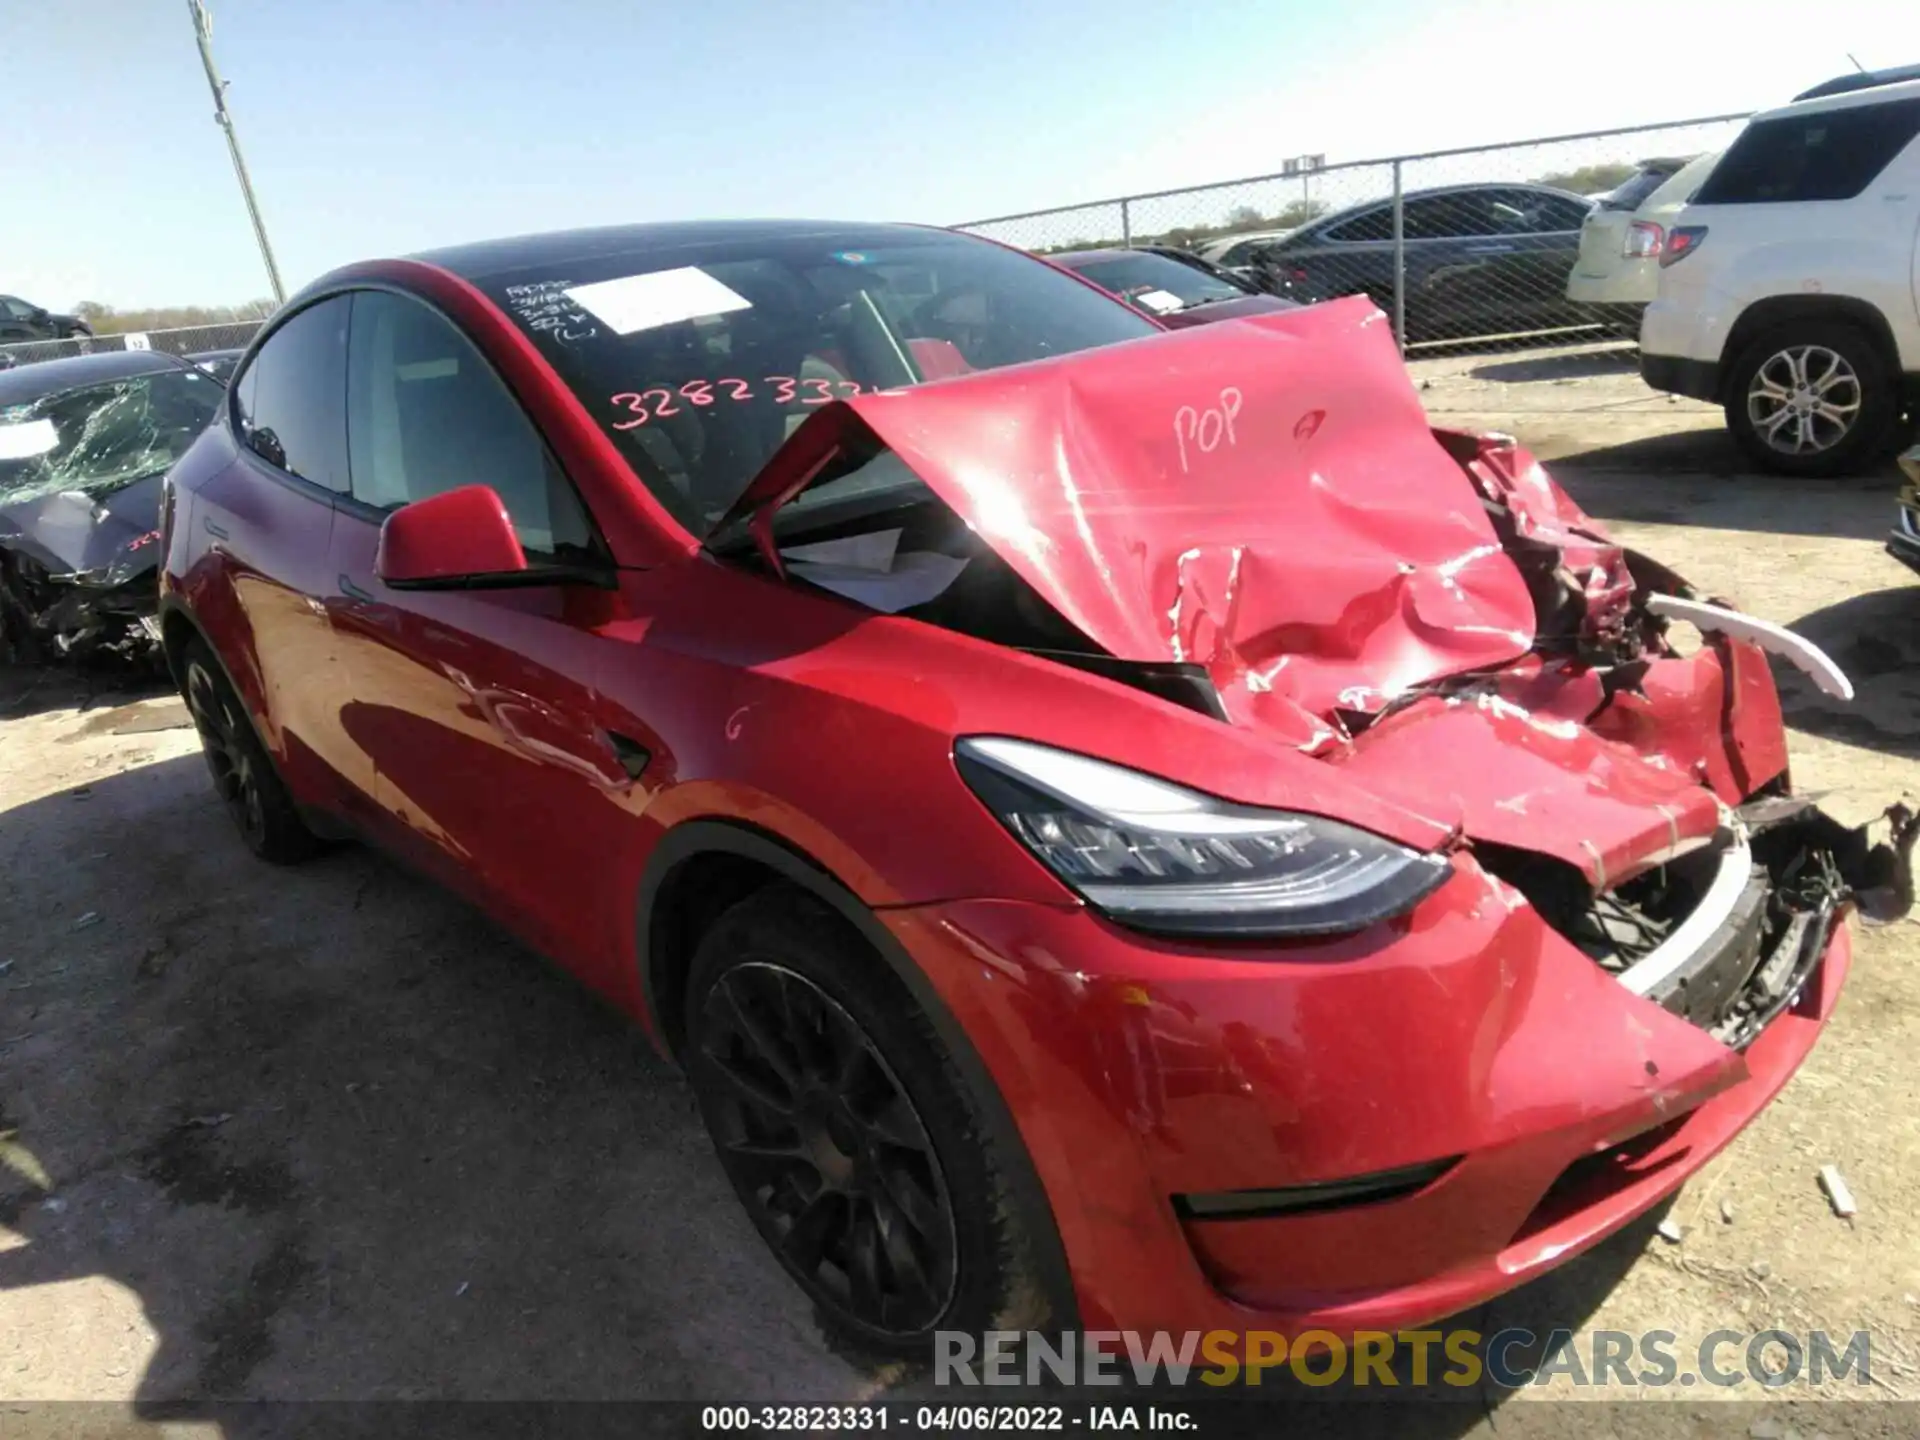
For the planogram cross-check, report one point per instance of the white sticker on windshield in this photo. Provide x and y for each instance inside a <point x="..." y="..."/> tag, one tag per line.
<point x="665" y="297"/>
<point x="35" y="437"/>
<point x="1161" y="302"/>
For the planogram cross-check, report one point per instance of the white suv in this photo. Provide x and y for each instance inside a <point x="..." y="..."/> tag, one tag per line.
<point x="1790" y="287"/>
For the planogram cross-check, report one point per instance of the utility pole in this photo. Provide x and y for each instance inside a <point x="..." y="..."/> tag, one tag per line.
<point x="203" y="32"/>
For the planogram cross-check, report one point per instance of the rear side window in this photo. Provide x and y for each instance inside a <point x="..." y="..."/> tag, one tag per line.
<point x="1828" y="155"/>
<point x="291" y="403"/>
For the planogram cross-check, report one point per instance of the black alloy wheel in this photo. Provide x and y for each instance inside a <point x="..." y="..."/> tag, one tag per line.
<point x="243" y="773"/>
<point x="826" y="1149"/>
<point x="235" y="779"/>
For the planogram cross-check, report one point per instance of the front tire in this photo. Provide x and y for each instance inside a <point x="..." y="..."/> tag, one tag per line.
<point x="1813" y="398"/>
<point x="847" y="1133"/>
<point x="243" y="772"/>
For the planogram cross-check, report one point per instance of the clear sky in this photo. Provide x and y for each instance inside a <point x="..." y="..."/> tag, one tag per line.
<point x="385" y="126"/>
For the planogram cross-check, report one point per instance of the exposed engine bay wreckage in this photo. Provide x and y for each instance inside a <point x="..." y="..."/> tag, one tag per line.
<point x="1271" y="533"/>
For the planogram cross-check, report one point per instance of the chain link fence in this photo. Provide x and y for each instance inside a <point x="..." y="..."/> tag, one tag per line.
<point x="1472" y="246"/>
<point x="189" y="340"/>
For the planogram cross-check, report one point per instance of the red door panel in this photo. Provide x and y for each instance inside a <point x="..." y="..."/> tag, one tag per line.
<point x="263" y="545"/>
<point x="492" y="771"/>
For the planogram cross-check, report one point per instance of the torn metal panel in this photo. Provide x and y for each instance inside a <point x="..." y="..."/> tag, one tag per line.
<point x="1534" y="781"/>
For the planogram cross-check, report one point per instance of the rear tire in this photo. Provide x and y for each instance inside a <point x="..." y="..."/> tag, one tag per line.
<point x="847" y="1133"/>
<point x="1812" y="398"/>
<point x="243" y="772"/>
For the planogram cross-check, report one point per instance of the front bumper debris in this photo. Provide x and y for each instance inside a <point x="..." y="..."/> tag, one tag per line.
<point x="1773" y="890"/>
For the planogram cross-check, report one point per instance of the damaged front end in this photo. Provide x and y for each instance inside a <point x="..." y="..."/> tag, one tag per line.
<point x="1257" y="522"/>
<point x="1729" y="927"/>
<point x="79" y="574"/>
<point x="110" y="610"/>
<point x="1728" y="935"/>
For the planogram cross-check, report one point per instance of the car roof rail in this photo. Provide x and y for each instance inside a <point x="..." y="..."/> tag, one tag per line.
<point x="1860" y="80"/>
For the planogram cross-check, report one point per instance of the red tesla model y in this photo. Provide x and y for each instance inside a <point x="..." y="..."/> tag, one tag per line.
<point x="1117" y="825"/>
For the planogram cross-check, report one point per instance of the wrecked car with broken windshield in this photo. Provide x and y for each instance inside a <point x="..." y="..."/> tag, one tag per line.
<point x="84" y="443"/>
<point x="1129" y="827"/>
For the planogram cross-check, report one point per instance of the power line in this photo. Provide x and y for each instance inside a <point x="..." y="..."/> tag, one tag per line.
<point x="203" y="33"/>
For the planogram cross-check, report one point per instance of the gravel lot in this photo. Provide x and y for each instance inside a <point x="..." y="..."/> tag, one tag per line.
<point x="323" y="1133"/>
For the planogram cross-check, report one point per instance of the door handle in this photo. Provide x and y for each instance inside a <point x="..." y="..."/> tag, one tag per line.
<point x="353" y="591"/>
<point x="212" y="529"/>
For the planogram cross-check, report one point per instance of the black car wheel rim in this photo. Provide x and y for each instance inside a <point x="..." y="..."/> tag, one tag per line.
<point x="235" y="776"/>
<point x="826" y="1149"/>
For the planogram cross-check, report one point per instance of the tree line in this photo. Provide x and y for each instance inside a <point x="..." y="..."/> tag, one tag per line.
<point x="107" y="320"/>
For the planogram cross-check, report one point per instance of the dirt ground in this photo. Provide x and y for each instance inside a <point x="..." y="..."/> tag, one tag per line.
<point x="322" y="1133"/>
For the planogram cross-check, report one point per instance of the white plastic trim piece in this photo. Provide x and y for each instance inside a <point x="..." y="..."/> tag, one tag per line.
<point x="1736" y="865"/>
<point x="1803" y="654"/>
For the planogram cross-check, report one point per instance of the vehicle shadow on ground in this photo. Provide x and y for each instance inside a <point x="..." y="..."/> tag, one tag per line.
<point x="1698" y="478"/>
<point x="1560" y="365"/>
<point x="35" y="689"/>
<point x="1875" y="640"/>
<point x="329" y="1134"/>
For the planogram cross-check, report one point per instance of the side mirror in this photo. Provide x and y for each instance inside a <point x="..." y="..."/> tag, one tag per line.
<point x="457" y="540"/>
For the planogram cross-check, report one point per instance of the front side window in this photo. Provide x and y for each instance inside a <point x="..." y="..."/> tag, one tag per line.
<point x="100" y="439"/>
<point x="426" y="414"/>
<point x="1157" y="284"/>
<point x="289" y="403"/>
<point x="1826" y="155"/>
<point x="699" y="361"/>
<point x="18" y="309"/>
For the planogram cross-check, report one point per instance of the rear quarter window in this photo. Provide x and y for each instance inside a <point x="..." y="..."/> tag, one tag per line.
<point x="1826" y="155"/>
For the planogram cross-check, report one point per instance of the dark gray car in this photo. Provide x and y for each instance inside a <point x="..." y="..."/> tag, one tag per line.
<point x="85" y="444"/>
<point x="1481" y="260"/>
<point x="24" y="320"/>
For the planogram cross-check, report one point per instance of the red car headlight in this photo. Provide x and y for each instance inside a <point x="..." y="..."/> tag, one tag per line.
<point x="1157" y="856"/>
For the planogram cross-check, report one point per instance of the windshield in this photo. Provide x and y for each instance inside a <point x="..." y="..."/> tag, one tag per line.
<point x="1157" y="284"/>
<point x="700" y="361"/>
<point x="104" y="437"/>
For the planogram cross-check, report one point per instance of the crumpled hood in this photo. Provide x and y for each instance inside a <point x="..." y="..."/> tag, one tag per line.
<point x="1263" y="497"/>
<point x="69" y="530"/>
